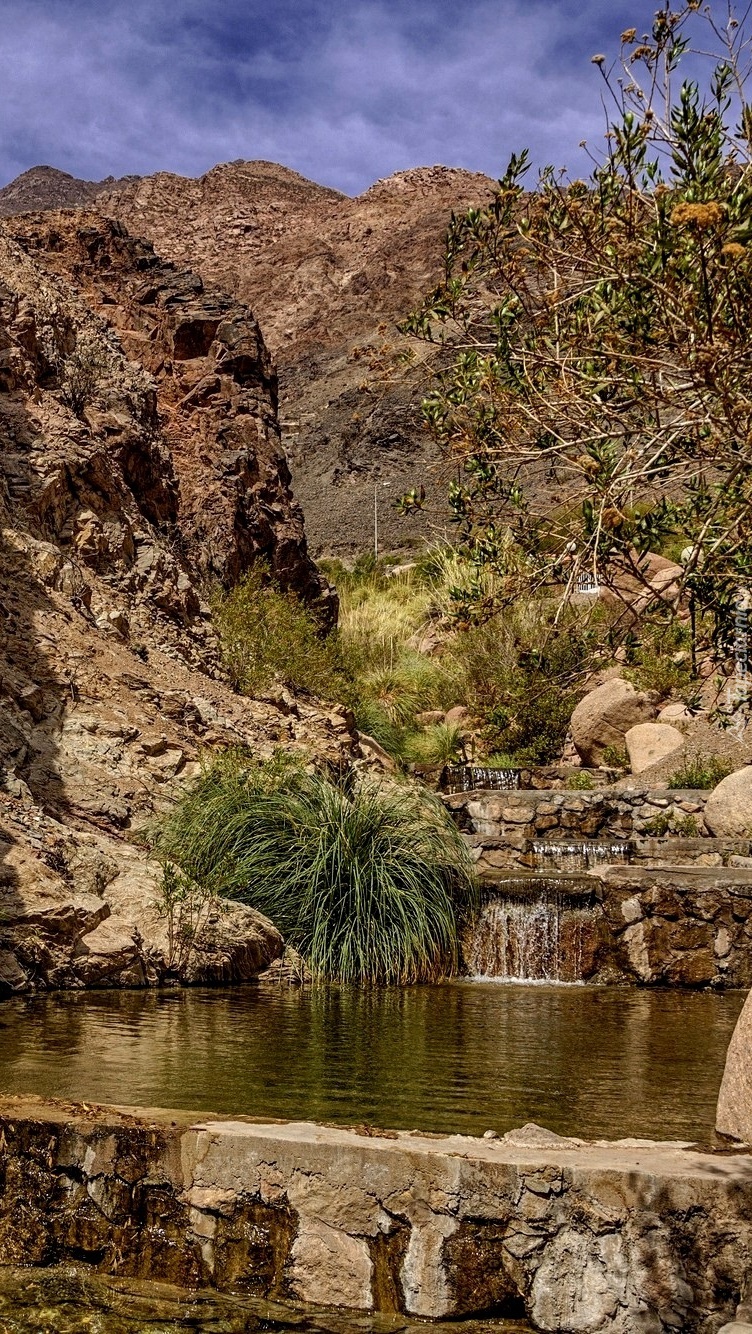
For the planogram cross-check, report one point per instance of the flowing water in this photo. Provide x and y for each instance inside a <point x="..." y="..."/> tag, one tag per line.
<point x="589" y="1061"/>
<point x="475" y="777"/>
<point x="535" y="939"/>
<point x="579" y="856"/>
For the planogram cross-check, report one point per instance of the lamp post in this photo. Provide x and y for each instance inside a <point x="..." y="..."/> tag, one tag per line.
<point x="376" y="517"/>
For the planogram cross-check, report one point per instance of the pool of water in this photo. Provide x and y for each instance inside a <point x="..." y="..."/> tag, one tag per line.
<point x="467" y="1057"/>
<point x="64" y="1301"/>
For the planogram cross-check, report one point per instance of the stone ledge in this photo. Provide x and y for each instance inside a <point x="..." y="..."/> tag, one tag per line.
<point x="609" y="1238"/>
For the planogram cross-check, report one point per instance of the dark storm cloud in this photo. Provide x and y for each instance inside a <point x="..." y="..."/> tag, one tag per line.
<point x="344" y="91"/>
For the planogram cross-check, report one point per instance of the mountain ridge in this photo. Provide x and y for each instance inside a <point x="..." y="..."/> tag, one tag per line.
<point x="327" y="276"/>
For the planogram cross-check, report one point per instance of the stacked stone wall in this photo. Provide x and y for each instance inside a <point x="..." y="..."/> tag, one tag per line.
<point x="510" y="821"/>
<point x="609" y="1238"/>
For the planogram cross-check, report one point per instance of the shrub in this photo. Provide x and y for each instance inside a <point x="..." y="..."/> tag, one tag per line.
<point x="615" y="757"/>
<point x="687" y="827"/>
<point x="79" y="375"/>
<point x="580" y="782"/>
<point x="523" y="677"/>
<point x="658" y="826"/>
<point x="367" y="880"/>
<point x="434" y="747"/>
<point x="266" y="634"/>
<point x="700" y="772"/>
<point x="652" y="660"/>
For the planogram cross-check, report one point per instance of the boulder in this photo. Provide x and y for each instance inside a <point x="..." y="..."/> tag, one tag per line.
<point x="734" y="1115"/>
<point x="728" y="812"/>
<point x="604" y="717"/>
<point x="648" y="743"/>
<point x="111" y="956"/>
<point x="677" y="715"/>
<point x="430" y="717"/>
<point x="459" y="716"/>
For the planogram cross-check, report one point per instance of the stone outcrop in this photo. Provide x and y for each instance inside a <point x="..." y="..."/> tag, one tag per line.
<point x="734" y="1116"/>
<point x="209" y="458"/>
<point x="140" y="458"/>
<point x="624" y="1238"/>
<point x="327" y="277"/>
<point x="728" y="810"/>
<point x="80" y="909"/>
<point x="602" y="719"/>
<point x="649" y="743"/>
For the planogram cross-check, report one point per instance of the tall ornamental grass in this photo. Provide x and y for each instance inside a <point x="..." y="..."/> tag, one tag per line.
<point x="367" y="880"/>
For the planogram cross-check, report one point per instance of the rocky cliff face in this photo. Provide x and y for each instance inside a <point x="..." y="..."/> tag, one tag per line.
<point x="327" y="277"/>
<point x="139" y="458"/>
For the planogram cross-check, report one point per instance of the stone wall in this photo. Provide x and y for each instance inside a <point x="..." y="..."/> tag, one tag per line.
<point x="507" y="822"/>
<point x="629" y="1238"/>
<point x="661" y="926"/>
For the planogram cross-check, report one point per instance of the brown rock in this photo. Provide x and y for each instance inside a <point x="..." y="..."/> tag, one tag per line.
<point x="459" y="716"/>
<point x="677" y="715"/>
<point x="734" y="1116"/>
<point x="649" y="743"/>
<point x="327" y="277"/>
<point x="728" y="811"/>
<point x="603" y="718"/>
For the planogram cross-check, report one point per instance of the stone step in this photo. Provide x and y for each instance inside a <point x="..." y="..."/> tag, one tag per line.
<point x="564" y="853"/>
<point x="674" y="850"/>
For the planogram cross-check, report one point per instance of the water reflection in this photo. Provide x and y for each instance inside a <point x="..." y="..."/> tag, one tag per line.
<point x="598" y="1062"/>
<point x="63" y="1301"/>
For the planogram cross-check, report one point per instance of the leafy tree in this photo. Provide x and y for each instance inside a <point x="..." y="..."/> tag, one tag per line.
<point x="594" y="341"/>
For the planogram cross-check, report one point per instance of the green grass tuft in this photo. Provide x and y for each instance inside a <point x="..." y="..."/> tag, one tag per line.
<point x="701" y="772"/>
<point x="366" y="880"/>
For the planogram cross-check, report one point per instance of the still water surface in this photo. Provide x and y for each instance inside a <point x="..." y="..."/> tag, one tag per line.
<point x="595" y="1062"/>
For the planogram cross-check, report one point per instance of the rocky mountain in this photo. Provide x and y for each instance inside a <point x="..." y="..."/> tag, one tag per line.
<point x="139" y="460"/>
<point x="47" y="188"/>
<point x="327" y="277"/>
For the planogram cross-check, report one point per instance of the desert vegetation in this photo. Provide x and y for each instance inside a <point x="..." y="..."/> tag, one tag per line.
<point x="592" y="341"/>
<point x="366" y="879"/>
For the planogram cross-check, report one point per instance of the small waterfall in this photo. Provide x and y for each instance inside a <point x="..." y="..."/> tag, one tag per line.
<point x="541" y="938"/>
<point x="578" y="856"/>
<point x="471" y="777"/>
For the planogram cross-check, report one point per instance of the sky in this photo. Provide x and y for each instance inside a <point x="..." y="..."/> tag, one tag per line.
<point x="343" y="91"/>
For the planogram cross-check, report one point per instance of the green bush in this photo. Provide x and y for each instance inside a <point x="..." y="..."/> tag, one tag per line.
<point x="687" y="827"/>
<point x="267" y="634"/>
<point x="523" y="677"/>
<point x="651" y="659"/>
<point x="366" y="880"/>
<point x="580" y="782"/>
<point x="701" y="772"/>
<point x="616" y="757"/>
<point x="658" y="825"/>
<point x="433" y="747"/>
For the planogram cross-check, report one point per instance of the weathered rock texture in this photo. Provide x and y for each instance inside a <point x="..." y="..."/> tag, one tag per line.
<point x="735" y="1099"/>
<point x="327" y="277"/>
<point x="602" y="719"/>
<point x="631" y="895"/>
<point x="506" y="825"/>
<point x="139" y="455"/>
<point x="683" y="926"/>
<point x="206" y="455"/>
<point x="649" y="743"/>
<point x="729" y="806"/>
<point x="626" y="1238"/>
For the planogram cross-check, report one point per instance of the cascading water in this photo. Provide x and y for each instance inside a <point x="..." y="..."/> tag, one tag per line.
<point x="475" y="777"/>
<point x="578" y="856"/>
<point x="542" y="937"/>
